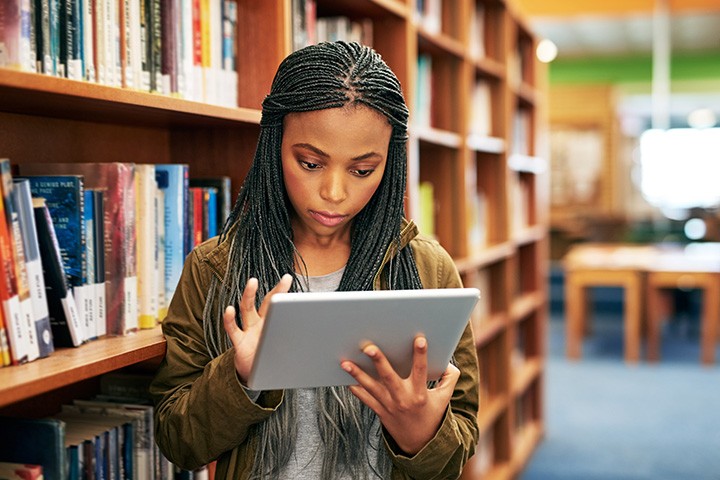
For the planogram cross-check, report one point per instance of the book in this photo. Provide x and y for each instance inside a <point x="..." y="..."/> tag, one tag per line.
<point x="118" y="436"/>
<point x="38" y="441"/>
<point x="173" y="180"/>
<point x="224" y="195"/>
<point x="88" y="220"/>
<point x="15" y="35"/>
<point x="33" y="266"/>
<point x="23" y="286"/>
<point x="23" y="290"/>
<point x="20" y="471"/>
<point x="117" y="181"/>
<point x="64" y="318"/>
<point x="65" y="199"/>
<point x="99" y="238"/>
<point x="16" y="325"/>
<point x="196" y="216"/>
<point x="145" y="188"/>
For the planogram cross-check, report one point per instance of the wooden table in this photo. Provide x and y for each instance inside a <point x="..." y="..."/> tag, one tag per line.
<point x="603" y="265"/>
<point x="643" y="271"/>
<point x="695" y="267"/>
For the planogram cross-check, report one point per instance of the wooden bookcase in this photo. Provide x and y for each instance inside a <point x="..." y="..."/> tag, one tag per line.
<point x="489" y="189"/>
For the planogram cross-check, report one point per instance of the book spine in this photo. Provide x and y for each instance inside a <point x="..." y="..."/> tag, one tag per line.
<point x="89" y="289"/>
<point x="99" y="224"/>
<point x="88" y="34"/>
<point x="64" y="318"/>
<point x="17" y="329"/>
<point x="36" y="281"/>
<point x="173" y="180"/>
<point x="146" y="220"/>
<point x="23" y="288"/>
<point x="127" y="179"/>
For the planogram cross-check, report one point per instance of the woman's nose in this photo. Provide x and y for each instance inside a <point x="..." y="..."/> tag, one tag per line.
<point x="333" y="187"/>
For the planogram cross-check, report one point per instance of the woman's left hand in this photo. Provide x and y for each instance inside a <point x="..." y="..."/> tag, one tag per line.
<point x="410" y="412"/>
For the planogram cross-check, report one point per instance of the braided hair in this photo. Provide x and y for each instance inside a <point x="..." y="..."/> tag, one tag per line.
<point x="327" y="75"/>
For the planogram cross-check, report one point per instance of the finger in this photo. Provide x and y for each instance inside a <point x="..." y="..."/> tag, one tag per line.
<point x="247" y="303"/>
<point x="419" y="368"/>
<point x="231" y="326"/>
<point x="283" y="286"/>
<point x="364" y="396"/>
<point x="387" y="376"/>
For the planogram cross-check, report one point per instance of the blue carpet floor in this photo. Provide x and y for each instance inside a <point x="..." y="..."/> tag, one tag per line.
<point x="606" y="420"/>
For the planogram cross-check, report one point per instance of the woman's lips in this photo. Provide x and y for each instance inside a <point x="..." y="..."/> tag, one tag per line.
<point x="327" y="219"/>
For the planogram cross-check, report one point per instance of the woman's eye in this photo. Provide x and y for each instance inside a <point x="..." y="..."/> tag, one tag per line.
<point x="363" y="173"/>
<point x="309" y="165"/>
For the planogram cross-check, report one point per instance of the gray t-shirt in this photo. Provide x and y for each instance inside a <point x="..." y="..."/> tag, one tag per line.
<point x="306" y="462"/>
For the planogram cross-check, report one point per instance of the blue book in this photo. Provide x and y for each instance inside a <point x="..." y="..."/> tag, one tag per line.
<point x="173" y="180"/>
<point x="211" y="212"/>
<point x="34" y="441"/>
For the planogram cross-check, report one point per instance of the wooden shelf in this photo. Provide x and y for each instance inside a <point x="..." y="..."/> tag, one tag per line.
<point x="525" y="374"/>
<point x="436" y="136"/>
<point x="490" y="412"/>
<point x="490" y="328"/>
<point x="488" y="256"/>
<point x="526" y="304"/>
<point x="525" y="445"/>
<point x="485" y="144"/>
<point x="69" y="365"/>
<point x="33" y="94"/>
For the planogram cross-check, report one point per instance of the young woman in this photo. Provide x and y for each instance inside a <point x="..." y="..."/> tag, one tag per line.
<point x="321" y="209"/>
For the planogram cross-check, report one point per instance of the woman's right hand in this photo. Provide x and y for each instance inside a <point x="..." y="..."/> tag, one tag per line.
<point x="245" y="339"/>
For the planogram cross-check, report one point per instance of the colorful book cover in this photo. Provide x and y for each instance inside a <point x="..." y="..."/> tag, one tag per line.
<point x="34" y="441"/>
<point x="67" y="329"/>
<point x="23" y="287"/>
<point x="173" y="180"/>
<point x="65" y="199"/>
<point x="33" y="266"/>
<point x="117" y="180"/>
<point x="15" y="324"/>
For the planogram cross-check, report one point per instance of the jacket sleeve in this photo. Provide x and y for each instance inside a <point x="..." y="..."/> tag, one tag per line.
<point x="201" y="408"/>
<point x="454" y="443"/>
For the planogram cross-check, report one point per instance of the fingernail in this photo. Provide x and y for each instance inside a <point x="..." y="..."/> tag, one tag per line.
<point x="370" y="351"/>
<point x="346" y="367"/>
<point x="421" y="343"/>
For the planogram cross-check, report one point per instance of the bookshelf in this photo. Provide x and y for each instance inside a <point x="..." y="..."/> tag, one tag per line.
<point x="485" y="163"/>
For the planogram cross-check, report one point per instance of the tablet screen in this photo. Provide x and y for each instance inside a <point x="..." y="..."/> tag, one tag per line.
<point x="306" y="335"/>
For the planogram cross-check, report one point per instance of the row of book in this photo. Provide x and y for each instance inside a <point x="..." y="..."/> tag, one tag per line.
<point x="95" y="249"/>
<point x="182" y="47"/>
<point x="110" y="436"/>
<point x="309" y="29"/>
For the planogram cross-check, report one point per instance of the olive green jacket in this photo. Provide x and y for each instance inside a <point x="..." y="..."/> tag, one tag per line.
<point x="203" y="412"/>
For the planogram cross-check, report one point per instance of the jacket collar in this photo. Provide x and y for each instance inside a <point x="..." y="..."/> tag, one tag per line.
<point x="218" y="256"/>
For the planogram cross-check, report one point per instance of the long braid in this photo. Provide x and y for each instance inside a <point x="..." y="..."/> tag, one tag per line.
<point x="328" y="75"/>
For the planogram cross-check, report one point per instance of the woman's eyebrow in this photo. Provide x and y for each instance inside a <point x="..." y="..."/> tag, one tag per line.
<point x="319" y="152"/>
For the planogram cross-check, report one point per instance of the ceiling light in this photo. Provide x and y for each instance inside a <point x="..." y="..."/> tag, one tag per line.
<point x="546" y="51"/>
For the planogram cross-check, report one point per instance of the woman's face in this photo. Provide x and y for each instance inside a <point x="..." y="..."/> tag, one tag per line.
<point x="333" y="161"/>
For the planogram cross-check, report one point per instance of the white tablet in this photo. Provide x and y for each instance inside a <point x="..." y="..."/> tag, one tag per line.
<point x="307" y="335"/>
